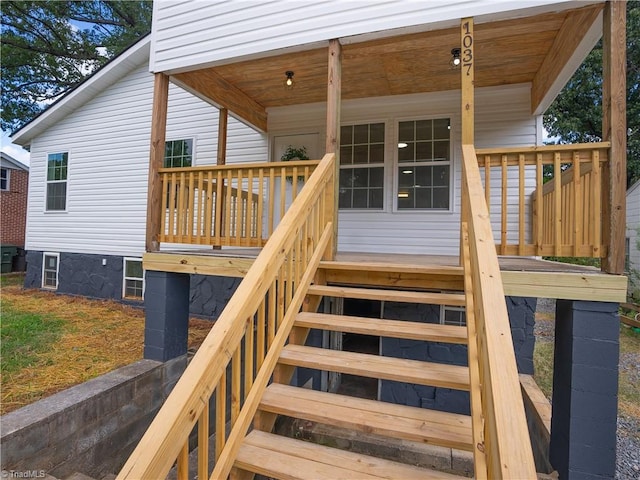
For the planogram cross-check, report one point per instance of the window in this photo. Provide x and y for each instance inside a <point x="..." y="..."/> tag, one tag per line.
<point x="178" y="153"/>
<point x="424" y="164"/>
<point x="57" y="181"/>
<point x="5" y="177"/>
<point x="453" y="316"/>
<point x="133" y="285"/>
<point x="362" y="166"/>
<point x="50" y="262"/>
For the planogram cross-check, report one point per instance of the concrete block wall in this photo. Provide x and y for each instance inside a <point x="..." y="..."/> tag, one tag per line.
<point x="85" y="275"/>
<point x="90" y="428"/>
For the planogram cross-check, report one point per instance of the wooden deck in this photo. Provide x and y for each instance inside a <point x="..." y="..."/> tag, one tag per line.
<point x="522" y="276"/>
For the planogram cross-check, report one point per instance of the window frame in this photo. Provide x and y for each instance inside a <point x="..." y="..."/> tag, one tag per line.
<point x="7" y="180"/>
<point x="382" y="165"/>
<point x="443" y="312"/>
<point x="125" y="278"/>
<point x="51" y="182"/>
<point x="44" y="269"/>
<point x="179" y="139"/>
<point x="397" y="164"/>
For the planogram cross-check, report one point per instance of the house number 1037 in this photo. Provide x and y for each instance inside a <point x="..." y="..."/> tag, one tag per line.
<point x="467" y="45"/>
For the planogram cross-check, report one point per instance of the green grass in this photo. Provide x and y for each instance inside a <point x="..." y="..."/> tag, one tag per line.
<point x="543" y="366"/>
<point x="24" y="336"/>
<point x="11" y="279"/>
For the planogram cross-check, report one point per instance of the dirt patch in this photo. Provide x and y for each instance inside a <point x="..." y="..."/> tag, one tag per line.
<point x="98" y="336"/>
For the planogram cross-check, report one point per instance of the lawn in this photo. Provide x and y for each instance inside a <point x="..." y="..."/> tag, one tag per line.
<point x="51" y="342"/>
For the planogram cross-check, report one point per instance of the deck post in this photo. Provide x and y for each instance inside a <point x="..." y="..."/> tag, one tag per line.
<point x="334" y="93"/>
<point x="156" y="160"/>
<point x="467" y="98"/>
<point x="614" y="129"/>
<point x="221" y="160"/>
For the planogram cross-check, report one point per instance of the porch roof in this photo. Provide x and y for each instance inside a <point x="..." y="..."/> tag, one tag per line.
<point x="544" y="50"/>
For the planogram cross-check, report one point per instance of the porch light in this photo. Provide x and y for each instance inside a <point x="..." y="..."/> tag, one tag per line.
<point x="288" y="83"/>
<point x="407" y="171"/>
<point x="403" y="194"/>
<point x="455" y="58"/>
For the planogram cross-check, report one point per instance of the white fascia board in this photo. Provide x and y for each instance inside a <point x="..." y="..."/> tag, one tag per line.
<point x="8" y="161"/>
<point x="85" y="91"/>
<point x="580" y="53"/>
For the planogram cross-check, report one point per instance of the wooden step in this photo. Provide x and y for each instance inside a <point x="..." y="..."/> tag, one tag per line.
<point x="429" y="332"/>
<point x="285" y="458"/>
<point x="381" y="418"/>
<point x="373" y="366"/>
<point x="453" y="299"/>
<point x="397" y="271"/>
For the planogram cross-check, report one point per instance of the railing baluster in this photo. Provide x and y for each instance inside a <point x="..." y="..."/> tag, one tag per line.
<point x="248" y="356"/>
<point x="163" y="219"/>
<point x="228" y="207"/>
<point x="503" y="221"/>
<point x="557" y="181"/>
<point x="239" y="208"/>
<point x="273" y="310"/>
<point x="182" y="467"/>
<point x="539" y="214"/>
<point x="236" y="375"/>
<point x="172" y="208"/>
<point x="249" y="214"/>
<point x="203" y="443"/>
<point x="283" y="191"/>
<point x="577" y="185"/>
<point x="201" y="207"/>
<point x="272" y="200"/>
<point x="596" y="211"/>
<point x="221" y="414"/>
<point x="260" y="215"/>
<point x="521" y="232"/>
<point x="487" y="180"/>
<point x="294" y="184"/>
<point x="260" y="334"/>
<point x="180" y="220"/>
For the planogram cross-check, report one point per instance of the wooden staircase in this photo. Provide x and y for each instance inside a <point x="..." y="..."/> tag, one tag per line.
<point x="280" y="457"/>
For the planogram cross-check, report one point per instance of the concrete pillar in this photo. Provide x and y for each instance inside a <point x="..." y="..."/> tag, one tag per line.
<point x="166" y="302"/>
<point x="585" y="390"/>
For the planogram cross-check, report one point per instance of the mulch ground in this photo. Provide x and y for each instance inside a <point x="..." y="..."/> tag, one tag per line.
<point x="99" y="336"/>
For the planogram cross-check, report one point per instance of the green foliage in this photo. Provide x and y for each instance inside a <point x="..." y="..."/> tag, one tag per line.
<point x="49" y="47"/>
<point x="294" y="153"/>
<point x="24" y="336"/>
<point x="586" y="261"/>
<point x="576" y="114"/>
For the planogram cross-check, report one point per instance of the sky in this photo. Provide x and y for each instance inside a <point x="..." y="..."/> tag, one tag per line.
<point x="16" y="151"/>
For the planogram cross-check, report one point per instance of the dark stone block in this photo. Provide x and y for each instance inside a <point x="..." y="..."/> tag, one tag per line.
<point x="33" y="277"/>
<point x="210" y="294"/>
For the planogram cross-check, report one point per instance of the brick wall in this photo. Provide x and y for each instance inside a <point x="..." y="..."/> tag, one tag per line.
<point x="13" y="209"/>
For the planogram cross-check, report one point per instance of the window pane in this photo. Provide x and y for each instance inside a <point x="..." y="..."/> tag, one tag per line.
<point x="375" y="198"/>
<point x="406" y="132"/>
<point x="346" y="155"/>
<point x="406" y="154"/>
<point x="423" y="198"/>
<point x="441" y="176"/>
<point x="50" y="279"/>
<point x="56" y="196"/>
<point x="376" y="153"/>
<point x="376" y="177"/>
<point x="423" y="130"/>
<point x="360" y="134"/>
<point x="377" y="133"/>
<point x="441" y="150"/>
<point x="344" y="198"/>
<point x="346" y="135"/>
<point x="424" y="176"/>
<point x="423" y="151"/>
<point x="346" y="177"/>
<point x="50" y="262"/>
<point x="360" y="154"/>
<point x="178" y="153"/>
<point x="360" y="197"/>
<point x="441" y="197"/>
<point x="133" y="289"/>
<point x="441" y="128"/>
<point x="406" y="177"/>
<point x="133" y="268"/>
<point x="360" y="177"/>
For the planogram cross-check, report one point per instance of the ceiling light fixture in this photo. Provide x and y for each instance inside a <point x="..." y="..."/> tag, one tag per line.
<point x="402" y="145"/>
<point x="455" y="58"/>
<point x="288" y="83"/>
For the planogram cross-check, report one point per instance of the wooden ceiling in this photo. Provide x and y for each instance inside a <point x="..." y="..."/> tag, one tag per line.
<point x="507" y="52"/>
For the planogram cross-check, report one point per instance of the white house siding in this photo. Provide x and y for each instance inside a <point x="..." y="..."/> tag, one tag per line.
<point x="502" y="119"/>
<point x="189" y="34"/>
<point x="633" y="223"/>
<point x="108" y="143"/>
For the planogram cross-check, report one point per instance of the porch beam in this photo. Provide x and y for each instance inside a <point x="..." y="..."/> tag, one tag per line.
<point x="614" y="129"/>
<point x="222" y="136"/>
<point x="224" y="95"/>
<point x="334" y="94"/>
<point x="578" y="33"/>
<point x="156" y="160"/>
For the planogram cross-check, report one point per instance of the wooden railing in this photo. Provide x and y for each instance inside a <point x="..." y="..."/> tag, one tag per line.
<point x="228" y="205"/>
<point x="232" y="367"/>
<point x="566" y="217"/>
<point x="502" y="445"/>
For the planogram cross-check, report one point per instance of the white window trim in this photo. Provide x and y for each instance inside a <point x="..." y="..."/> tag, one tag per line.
<point x="396" y="165"/>
<point x="193" y="143"/>
<point x="385" y="166"/>
<point x="445" y="308"/>
<point x="47" y="182"/>
<point x="8" y="189"/>
<point x="125" y="278"/>
<point x="44" y="256"/>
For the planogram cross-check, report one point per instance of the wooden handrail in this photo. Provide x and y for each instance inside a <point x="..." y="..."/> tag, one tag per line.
<point x="507" y="447"/>
<point x="265" y="302"/>
<point x="565" y="147"/>
<point x="244" y="166"/>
